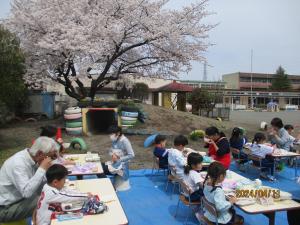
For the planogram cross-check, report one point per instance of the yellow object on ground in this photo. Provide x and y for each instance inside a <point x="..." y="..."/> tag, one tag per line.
<point x="19" y="222"/>
<point x="219" y="119"/>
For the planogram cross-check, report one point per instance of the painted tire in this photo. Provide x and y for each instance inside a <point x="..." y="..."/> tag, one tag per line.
<point x="72" y="116"/>
<point x="73" y="124"/>
<point x="80" y="142"/>
<point x="128" y="122"/>
<point x="130" y="114"/>
<point x="73" y="110"/>
<point x="125" y="118"/>
<point x="74" y="121"/>
<point x="74" y="131"/>
<point x="127" y="126"/>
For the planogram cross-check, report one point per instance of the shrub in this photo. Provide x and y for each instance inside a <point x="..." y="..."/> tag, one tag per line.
<point x="196" y="135"/>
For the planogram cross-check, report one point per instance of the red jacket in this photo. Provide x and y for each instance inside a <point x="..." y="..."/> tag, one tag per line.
<point x="224" y="158"/>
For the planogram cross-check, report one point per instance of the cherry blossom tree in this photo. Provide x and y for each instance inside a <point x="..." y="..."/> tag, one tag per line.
<point x="99" y="41"/>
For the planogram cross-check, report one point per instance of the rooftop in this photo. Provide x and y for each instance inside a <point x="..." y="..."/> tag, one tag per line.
<point x="174" y="87"/>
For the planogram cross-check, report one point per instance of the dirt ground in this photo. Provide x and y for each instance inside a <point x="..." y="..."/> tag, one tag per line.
<point x="17" y="136"/>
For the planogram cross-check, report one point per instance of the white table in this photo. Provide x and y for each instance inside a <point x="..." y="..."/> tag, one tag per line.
<point x="270" y="210"/>
<point x="102" y="187"/>
<point x="81" y="160"/>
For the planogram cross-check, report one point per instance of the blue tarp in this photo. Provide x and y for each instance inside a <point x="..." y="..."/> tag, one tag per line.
<point x="148" y="203"/>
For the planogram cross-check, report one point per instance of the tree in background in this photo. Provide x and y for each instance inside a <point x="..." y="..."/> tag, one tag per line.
<point x="140" y="91"/>
<point x="74" y="41"/>
<point x="202" y="99"/>
<point x="124" y="88"/>
<point x="280" y="81"/>
<point x="12" y="68"/>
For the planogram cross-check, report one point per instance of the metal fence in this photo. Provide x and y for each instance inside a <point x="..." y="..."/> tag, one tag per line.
<point x="223" y="113"/>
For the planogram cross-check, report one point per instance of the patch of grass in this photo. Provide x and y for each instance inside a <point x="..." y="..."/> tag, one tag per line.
<point x="5" y="154"/>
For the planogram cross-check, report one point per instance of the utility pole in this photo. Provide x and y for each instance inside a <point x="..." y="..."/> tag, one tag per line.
<point x="252" y="102"/>
<point x="205" y="71"/>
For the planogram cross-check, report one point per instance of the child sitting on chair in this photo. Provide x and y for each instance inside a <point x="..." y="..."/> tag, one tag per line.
<point x="160" y="151"/>
<point x="214" y="194"/>
<point x="115" y="166"/>
<point x="55" y="133"/>
<point x="176" y="159"/>
<point x="261" y="149"/>
<point x="53" y="193"/>
<point x="192" y="177"/>
<point x="238" y="141"/>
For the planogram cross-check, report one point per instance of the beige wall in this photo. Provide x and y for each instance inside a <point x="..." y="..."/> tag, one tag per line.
<point x="152" y="83"/>
<point x="232" y="80"/>
<point x="281" y="102"/>
<point x="244" y="100"/>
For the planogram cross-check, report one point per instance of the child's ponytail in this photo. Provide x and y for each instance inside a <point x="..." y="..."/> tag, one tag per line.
<point x="258" y="137"/>
<point x="214" y="171"/>
<point x="193" y="160"/>
<point x="187" y="169"/>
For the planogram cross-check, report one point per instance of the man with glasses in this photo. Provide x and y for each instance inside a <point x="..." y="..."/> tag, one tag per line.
<point x="22" y="178"/>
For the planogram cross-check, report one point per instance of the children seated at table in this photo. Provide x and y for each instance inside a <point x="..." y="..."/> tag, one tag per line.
<point x="192" y="177"/>
<point x="218" y="146"/>
<point x="176" y="159"/>
<point x="214" y="193"/>
<point x="279" y="135"/>
<point x="53" y="193"/>
<point x="260" y="149"/>
<point x="238" y="141"/>
<point x="160" y="151"/>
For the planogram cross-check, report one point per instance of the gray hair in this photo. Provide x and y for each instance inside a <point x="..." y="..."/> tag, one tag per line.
<point x="43" y="144"/>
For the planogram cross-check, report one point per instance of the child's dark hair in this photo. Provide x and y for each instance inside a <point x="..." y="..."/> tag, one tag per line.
<point x="214" y="171"/>
<point x="181" y="140"/>
<point x="192" y="160"/>
<point x="277" y="122"/>
<point x="56" y="172"/>
<point x="159" y="139"/>
<point x="48" y="131"/>
<point x="258" y="137"/>
<point x="289" y="127"/>
<point x="213" y="131"/>
<point x="115" y="129"/>
<point x="236" y="134"/>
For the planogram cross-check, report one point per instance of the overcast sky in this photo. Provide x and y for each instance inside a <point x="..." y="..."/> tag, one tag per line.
<point x="270" y="27"/>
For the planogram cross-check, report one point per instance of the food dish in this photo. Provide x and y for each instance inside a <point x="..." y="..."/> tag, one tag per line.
<point x="93" y="158"/>
<point x="245" y="201"/>
<point x="285" y="195"/>
<point x="72" y="157"/>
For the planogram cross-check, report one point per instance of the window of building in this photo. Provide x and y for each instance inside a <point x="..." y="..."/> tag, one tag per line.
<point x="295" y="101"/>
